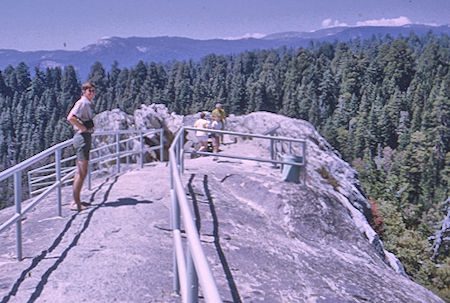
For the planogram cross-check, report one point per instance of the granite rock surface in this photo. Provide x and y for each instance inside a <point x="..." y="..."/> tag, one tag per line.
<point x="266" y="240"/>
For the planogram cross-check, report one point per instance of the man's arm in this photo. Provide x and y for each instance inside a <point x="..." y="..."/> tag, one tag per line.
<point x="223" y="114"/>
<point x="74" y="121"/>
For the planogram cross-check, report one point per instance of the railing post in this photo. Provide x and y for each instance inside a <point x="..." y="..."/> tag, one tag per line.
<point x="142" y="148"/>
<point x="181" y="156"/>
<point x="280" y="152"/>
<point x="18" y="203"/>
<point x="192" y="279"/>
<point x="272" y="156"/>
<point x="304" y="163"/>
<point x="178" y="155"/>
<point x="175" y="224"/>
<point x="58" y="179"/>
<point x="89" y="177"/>
<point x="30" y="187"/>
<point x="118" y="152"/>
<point x="127" y="149"/>
<point x="161" y="142"/>
<point x="272" y="151"/>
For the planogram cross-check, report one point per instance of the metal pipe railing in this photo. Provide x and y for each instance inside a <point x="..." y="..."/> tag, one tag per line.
<point x="37" y="177"/>
<point x="28" y="162"/>
<point x="194" y="265"/>
<point x="60" y="175"/>
<point x="180" y="206"/>
<point x="274" y="152"/>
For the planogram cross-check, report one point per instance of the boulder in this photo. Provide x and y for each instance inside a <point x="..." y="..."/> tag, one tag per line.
<point x="326" y="171"/>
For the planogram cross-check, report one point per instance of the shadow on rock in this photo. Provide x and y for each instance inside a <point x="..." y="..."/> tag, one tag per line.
<point x="226" y="268"/>
<point x="223" y="260"/>
<point x="35" y="262"/>
<point x="125" y="202"/>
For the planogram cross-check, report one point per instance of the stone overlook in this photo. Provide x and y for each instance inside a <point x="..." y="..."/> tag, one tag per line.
<point x="266" y="240"/>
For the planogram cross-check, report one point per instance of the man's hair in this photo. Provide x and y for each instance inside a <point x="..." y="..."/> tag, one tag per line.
<point x="87" y="85"/>
<point x="202" y="115"/>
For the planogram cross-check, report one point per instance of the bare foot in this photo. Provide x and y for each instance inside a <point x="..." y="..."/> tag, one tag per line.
<point x="76" y="207"/>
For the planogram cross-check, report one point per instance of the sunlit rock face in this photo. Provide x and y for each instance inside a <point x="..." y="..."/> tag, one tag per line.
<point x="273" y="241"/>
<point x="154" y="116"/>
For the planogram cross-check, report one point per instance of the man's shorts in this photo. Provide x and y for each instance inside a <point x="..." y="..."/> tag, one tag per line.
<point x="82" y="145"/>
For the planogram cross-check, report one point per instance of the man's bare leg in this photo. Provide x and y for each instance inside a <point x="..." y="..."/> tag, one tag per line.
<point x="78" y="180"/>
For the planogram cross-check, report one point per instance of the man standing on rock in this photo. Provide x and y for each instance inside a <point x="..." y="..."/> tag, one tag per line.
<point x="80" y="116"/>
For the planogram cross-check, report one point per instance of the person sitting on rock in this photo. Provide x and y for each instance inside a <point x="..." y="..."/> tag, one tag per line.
<point x="202" y="136"/>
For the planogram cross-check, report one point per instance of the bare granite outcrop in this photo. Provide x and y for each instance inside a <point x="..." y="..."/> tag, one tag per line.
<point x="266" y="240"/>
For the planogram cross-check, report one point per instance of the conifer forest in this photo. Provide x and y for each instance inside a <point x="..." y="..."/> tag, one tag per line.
<point x="383" y="103"/>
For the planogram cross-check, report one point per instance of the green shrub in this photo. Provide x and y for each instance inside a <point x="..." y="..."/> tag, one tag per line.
<point x="327" y="176"/>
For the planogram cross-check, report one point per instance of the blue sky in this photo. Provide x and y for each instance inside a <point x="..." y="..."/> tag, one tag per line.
<point x="71" y="25"/>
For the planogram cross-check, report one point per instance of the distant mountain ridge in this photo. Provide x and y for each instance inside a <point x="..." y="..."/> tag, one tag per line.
<point x="128" y="51"/>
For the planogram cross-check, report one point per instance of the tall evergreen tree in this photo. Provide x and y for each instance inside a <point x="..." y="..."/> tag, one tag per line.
<point x="97" y="76"/>
<point x="70" y="91"/>
<point x="4" y="90"/>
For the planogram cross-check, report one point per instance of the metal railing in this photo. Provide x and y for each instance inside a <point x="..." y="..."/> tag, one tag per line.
<point x="43" y="176"/>
<point x="278" y="147"/>
<point x="43" y="180"/>
<point x="187" y="272"/>
<point x="193" y="267"/>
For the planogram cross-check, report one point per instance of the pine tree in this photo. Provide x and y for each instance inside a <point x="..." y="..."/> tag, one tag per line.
<point x="37" y="85"/>
<point x="219" y="87"/>
<point x="120" y="88"/>
<point x="272" y="87"/>
<point x="257" y="97"/>
<point x="112" y="78"/>
<point x="399" y="66"/>
<point x="327" y="97"/>
<point x="4" y="89"/>
<point x="70" y="91"/>
<point x="97" y="76"/>
<point x="21" y="77"/>
<point x="238" y="95"/>
<point x="411" y="172"/>
<point x="292" y="90"/>
<point x="53" y="78"/>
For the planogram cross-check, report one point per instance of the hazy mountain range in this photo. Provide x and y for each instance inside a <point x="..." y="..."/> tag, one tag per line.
<point x="128" y="51"/>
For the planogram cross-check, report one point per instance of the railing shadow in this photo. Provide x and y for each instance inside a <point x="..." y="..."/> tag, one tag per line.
<point x="193" y="196"/>
<point x="36" y="260"/>
<point x="226" y="268"/>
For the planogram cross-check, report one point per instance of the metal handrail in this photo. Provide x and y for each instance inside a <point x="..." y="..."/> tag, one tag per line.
<point x="58" y="171"/>
<point x="186" y="271"/>
<point x="275" y="152"/>
<point x="36" y="179"/>
<point x="188" y="268"/>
